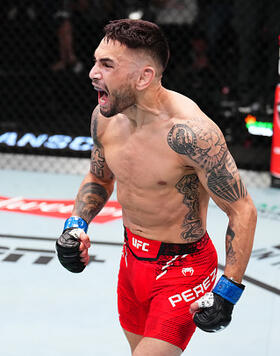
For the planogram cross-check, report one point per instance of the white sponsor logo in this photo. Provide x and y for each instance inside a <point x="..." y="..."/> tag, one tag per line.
<point x="55" y="208"/>
<point x="140" y="245"/>
<point x="27" y="205"/>
<point x="193" y="293"/>
<point x="79" y="143"/>
<point x="187" y="270"/>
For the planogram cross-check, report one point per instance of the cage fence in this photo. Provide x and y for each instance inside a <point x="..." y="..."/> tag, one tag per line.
<point x="223" y="56"/>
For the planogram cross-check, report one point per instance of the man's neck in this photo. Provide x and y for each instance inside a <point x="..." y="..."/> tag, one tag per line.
<point x="150" y="106"/>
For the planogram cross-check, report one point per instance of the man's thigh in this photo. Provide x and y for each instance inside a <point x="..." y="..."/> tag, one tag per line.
<point x="148" y="346"/>
<point x="133" y="339"/>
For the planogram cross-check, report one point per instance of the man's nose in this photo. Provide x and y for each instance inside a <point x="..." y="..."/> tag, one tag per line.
<point x="94" y="73"/>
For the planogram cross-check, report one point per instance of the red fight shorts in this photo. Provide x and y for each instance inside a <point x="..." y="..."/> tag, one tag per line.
<point x="157" y="283"/>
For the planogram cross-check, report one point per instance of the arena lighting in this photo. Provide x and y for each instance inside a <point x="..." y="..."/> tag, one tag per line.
<point x="136" y="15"/>
<point x="52" y="142"/>
<point x="259" y="128"/>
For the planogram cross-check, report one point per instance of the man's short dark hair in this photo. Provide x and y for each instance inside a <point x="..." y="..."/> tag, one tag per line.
<point x="140" y="34"/>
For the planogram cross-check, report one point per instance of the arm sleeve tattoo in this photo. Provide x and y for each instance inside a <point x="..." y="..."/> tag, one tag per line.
<point x="208" y="150"/>
<point x="90" y="200"/>
<point x="230" y="253"/>
<point x="95" y="191"/>
<point x="98" y="166"/>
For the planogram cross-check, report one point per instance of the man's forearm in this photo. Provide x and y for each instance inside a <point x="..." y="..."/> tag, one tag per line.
<point x="91" y="198"/>
<point x="239" y="241"/>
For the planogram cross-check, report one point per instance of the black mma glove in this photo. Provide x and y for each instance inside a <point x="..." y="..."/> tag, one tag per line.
<point x="216" y="307"/>
<point x="68" y="244"/>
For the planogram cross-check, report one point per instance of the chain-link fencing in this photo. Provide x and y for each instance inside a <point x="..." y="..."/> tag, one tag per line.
<point x="223" y="56"/>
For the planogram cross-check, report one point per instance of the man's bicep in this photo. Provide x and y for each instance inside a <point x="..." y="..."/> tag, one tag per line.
<point x="223" y="181"/>
<point x="202" y="145"/>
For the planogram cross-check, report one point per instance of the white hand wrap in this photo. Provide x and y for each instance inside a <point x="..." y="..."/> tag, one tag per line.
<point x="206" y="301"/>
<point x="76" y="233"/>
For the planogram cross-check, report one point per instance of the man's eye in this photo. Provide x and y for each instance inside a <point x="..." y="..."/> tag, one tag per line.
<point x="107" y="65"/>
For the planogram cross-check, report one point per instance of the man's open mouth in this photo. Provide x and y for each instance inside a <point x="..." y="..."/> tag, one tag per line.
<point x="102" y="96"/>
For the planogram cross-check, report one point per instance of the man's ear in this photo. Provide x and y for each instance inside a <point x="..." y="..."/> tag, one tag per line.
<point x="146" y="77"/>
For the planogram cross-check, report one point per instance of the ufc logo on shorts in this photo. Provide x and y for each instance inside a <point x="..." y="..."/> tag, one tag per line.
<point x="140" y="245"/>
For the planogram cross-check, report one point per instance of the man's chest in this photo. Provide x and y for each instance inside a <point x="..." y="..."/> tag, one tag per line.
<point x="146" y="162"/>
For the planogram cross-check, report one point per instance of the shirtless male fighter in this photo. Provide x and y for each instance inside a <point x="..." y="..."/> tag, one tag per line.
<point x="167" y="158"/>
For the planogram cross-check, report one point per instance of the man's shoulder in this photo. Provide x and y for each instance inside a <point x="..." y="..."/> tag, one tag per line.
<point x="97" y="117"/>
<point x="98" y="124"/>
<point x="186" y="111"/>
<point x="192" y="131"/>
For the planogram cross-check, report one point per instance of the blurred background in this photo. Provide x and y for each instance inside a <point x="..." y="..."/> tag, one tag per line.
<point x="223" y="56"/>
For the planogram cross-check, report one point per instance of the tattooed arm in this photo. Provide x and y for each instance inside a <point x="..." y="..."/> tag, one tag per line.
<point x="73" y="244"/>
<point x="98" y="184"/>
<point x="202" y="145"/>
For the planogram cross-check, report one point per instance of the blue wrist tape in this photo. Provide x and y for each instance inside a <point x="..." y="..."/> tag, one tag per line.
<point x="228" y="290"/>
<point x="76" y="221"/>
